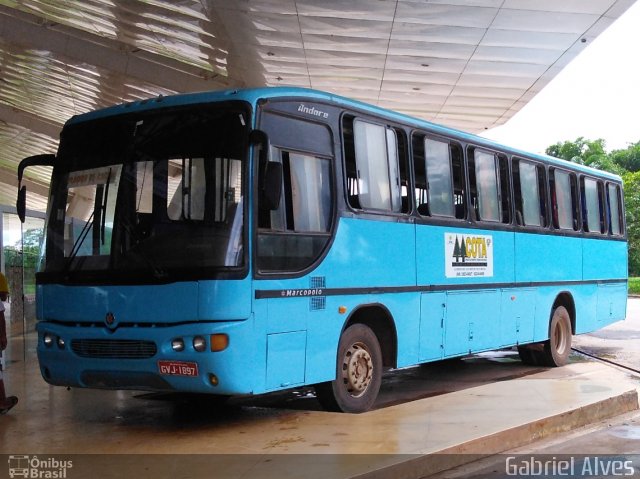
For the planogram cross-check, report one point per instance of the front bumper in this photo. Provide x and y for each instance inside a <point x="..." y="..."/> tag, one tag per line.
<point x="129" y="357"/>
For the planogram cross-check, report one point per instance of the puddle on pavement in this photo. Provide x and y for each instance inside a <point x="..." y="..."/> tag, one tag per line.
<point x="626" y="432"/>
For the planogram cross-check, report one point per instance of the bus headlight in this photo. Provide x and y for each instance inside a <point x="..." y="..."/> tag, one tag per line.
<point x="47" y="339"/>
<point x="61" y="343"/>
<point x="199" y="344"/>
<point x="177" y="345"/>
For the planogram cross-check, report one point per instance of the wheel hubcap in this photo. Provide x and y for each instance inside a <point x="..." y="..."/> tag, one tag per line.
<point x="357" y="369"/>
<point x="560" y="338"/>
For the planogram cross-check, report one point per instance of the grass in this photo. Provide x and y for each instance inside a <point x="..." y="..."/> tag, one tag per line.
<point x="634" y="285"/>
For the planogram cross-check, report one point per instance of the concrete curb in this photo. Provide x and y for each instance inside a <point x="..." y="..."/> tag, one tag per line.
<point x="423" y="466"/>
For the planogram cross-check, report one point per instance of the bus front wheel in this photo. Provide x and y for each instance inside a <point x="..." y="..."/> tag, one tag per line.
<point x="358" y="372"/>
<point x="558" y="347"/>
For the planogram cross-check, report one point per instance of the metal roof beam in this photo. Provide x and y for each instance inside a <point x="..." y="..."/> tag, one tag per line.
<point x="9" y="177"/>
<point x="32" y="122"/>
<point x="28" y="30"/>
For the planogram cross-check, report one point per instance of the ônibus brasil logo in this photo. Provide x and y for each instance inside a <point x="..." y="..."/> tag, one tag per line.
<point x="34" y="467"/>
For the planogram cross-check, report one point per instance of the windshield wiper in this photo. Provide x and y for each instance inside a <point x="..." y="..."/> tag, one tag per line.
<point x="79" y="241"/>
<point x="103" y="208"/>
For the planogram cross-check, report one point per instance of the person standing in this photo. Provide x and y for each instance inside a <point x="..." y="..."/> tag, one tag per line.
<point x="6" y="403"/>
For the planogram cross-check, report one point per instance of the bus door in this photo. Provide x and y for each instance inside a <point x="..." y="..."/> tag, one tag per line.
<point x="291" y="238"/>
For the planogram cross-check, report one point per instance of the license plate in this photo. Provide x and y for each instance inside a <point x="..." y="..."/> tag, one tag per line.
<point x="178" y="368"/>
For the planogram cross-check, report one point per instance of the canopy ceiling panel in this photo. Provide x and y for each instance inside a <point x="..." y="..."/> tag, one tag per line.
<point x="470" y="64"/>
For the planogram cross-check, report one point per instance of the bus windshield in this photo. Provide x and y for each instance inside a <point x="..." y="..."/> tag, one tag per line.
<point x="159" y="193"/>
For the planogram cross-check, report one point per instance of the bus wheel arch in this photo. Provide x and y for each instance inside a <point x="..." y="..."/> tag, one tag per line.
<point x="379" y="319"/>
<point x="367" y="344"/>
<point x="557" y="348"/>
<point x="554" y="351"/>
<point x="566" y="299"/>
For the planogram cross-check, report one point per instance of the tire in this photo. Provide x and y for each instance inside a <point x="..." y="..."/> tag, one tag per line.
<point x="527" y="356"/>
<point x="558" y="347"/>
<point x="358" y="373"/>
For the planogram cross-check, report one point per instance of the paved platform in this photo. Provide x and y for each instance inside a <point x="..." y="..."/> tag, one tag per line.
<point x="407" y="440"/>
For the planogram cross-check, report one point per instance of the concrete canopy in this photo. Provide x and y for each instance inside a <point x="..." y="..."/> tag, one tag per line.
<point x="470" y="64"/>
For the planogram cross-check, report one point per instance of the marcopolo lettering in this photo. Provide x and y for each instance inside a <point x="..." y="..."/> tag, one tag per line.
<point x="292" y="293"/>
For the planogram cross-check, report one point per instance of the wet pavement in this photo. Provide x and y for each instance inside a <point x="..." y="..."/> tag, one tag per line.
<point x="483" y="404"/>
<point x="619" y="342"/>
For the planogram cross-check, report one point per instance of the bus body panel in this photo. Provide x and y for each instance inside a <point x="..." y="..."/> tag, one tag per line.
<point x="433" y="310"/>
<point x="585" y="298"/>
<point x="612" y="304"/>
<point x="464" y="320"/>
<point x="517" y="316"/>
<point x="604" y="259"/>
<point x="545" y="258"/>
<point x="434" y="264"/>
<point x="470" y="321"/>
<point x="168" y="303"/>
<point x="355" y="248"/>
<point x="371" y="248"/>
<point x="225" y="300"/>
<point x="235" y="367"/>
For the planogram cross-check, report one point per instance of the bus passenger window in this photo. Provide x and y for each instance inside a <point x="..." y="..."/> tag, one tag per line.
<point x="439" y="182"/>
<point x="439" y="178"/>
<point x="592" y="206"/>
<point x="564" y="200"/>
<point x="375" y="166"/>
<point x="292" y="236"/>
<point x="306" y="202"/>
<point x="530" y="194"/>
<point x="483" y="180"/>
<point x="615" y="210"/>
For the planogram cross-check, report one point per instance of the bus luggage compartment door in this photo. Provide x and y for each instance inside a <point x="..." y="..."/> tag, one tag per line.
<point x="432" y="318"/>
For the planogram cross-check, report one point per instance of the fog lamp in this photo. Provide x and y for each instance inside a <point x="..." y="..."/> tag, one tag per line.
<point x="177" y="345"/>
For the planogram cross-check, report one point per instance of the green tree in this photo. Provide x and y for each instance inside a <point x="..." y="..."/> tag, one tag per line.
<point x="629" y="158"/>
<point x="632" y="207"/>
<point x="30" y="252"/>
<point x="586" y="152"/>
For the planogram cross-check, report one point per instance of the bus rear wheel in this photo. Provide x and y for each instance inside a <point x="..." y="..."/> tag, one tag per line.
<point x="358" y="373"/>
<point x="558" y="347"/>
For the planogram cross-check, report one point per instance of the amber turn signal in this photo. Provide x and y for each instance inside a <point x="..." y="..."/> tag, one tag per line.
<point x="219" y="342"/>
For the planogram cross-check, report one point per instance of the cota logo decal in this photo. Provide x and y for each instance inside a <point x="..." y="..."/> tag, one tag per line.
<point x="468" y="255"/>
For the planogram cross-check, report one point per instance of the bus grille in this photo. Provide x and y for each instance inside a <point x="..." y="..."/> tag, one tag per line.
<point x="115" y="349"/>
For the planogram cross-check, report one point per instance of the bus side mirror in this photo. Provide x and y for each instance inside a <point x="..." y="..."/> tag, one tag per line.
<point x="21" y="203"/>
<point x="37" y="160"/>
<point x="270" y="180"/>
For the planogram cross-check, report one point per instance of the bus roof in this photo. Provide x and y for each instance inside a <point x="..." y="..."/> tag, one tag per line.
<point x="252" y="95"/>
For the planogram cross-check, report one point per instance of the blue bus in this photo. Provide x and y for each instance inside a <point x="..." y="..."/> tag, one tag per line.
<point x="248" y="241"/>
